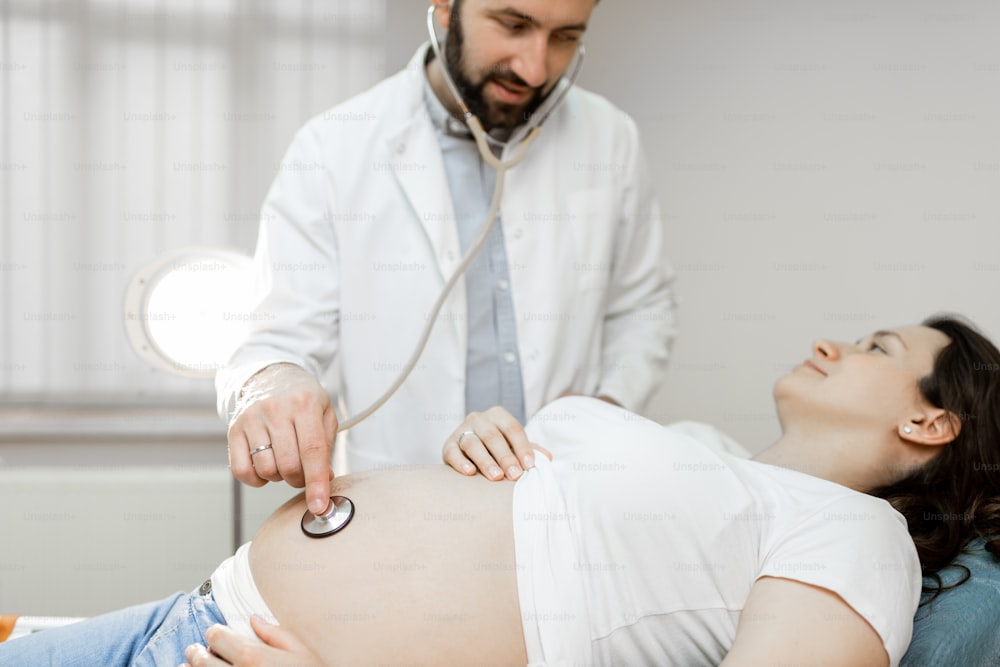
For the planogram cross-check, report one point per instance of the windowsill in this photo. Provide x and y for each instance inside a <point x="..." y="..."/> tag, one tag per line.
<point x="55" y="420"/>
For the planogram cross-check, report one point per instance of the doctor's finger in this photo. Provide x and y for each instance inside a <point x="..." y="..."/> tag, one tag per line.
<point x="239" y="457"/>
<point x="330" y="425"/>
<point x="515" y="436"/>
<point x="455" y="457"/>
<point x="286" y="451"/>
<point x="500" y="450"/>
<point x="264" y="460"/>
<point x="483" y="459"/>
<point x="497" y="449"/>
<point x="315" y="450"/>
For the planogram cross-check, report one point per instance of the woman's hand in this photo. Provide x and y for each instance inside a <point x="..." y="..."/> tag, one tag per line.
<point x="280" y="648"/>
<point x="492" y="441"/>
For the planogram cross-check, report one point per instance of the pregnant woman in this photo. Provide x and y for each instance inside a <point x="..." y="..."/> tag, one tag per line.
<point x="635" y="544"/>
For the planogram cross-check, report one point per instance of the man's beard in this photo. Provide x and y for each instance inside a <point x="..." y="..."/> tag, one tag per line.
<point x="498" y="115"/>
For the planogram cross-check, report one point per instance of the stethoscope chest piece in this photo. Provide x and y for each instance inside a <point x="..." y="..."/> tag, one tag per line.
<point x="338" y="515"/>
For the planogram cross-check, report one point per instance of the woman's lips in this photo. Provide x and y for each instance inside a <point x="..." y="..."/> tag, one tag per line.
<point x="809" y="364"/>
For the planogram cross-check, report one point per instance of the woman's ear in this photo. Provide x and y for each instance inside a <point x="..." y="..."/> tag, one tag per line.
<point x="933" y="427"/>
<point x="442" y="10"/>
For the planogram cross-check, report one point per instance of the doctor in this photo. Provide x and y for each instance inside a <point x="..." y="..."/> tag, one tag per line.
<point x="371" y="211"/>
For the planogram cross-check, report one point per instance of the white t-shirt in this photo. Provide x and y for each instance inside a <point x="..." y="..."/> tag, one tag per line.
<point x="638" y="545"/>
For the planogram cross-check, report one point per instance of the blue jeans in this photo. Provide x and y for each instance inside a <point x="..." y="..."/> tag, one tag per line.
<point x="149" y="635"/>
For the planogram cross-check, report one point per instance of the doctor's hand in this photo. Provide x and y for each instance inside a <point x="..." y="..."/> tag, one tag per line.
<point x="492" y="441"/>
<point x="283" y="429"/>
<point x="280" y="648"/>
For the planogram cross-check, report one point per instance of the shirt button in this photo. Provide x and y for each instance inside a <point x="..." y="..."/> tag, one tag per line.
<point x="518" y="233"/>
<point x="509" y="357"/>
<point x="503" y="284"/>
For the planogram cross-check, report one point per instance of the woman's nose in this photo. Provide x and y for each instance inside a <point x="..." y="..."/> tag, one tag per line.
<point x="825" y="349"/>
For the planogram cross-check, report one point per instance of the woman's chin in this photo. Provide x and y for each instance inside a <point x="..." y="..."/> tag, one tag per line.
<point x="784" y="388"/>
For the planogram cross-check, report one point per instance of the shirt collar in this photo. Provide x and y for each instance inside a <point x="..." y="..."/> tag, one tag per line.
<point x="443" y="121"/>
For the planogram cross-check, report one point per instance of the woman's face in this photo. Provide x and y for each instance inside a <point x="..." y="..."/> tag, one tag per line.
<point x="870" y="382"/>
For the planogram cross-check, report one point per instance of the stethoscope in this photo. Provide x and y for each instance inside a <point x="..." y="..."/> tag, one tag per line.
<point x="341" y="510"/>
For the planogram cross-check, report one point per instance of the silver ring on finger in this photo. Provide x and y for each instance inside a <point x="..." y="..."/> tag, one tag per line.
<point x="258" y="450"/>
<point x="463" y="434"/>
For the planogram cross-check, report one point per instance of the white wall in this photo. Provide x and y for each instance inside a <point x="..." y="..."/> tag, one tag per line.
<point x="827" y="168"/>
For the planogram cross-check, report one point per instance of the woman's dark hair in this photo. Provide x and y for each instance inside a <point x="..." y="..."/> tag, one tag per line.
<point x="955" y="498"/>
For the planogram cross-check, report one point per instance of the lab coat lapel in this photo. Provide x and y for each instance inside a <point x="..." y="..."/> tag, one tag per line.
<point x="418" y="167"/>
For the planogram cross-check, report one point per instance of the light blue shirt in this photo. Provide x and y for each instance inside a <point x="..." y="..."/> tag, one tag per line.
<point x="492" y="364"/>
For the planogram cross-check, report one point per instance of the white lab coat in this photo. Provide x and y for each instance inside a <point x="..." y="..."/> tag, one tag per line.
<point x="357" y="237"/>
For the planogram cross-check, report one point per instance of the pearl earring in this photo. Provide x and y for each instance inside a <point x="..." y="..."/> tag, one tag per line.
<point x="907" y="429"/>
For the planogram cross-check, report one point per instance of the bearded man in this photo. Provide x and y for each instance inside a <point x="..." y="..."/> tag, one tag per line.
<point x="372" y="209"/>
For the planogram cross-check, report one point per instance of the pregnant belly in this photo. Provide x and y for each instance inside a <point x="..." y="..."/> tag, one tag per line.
<point x="423" y="574"/>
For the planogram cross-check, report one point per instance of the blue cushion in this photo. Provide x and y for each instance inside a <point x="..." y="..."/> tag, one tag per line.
<point x="962" y="626"/>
